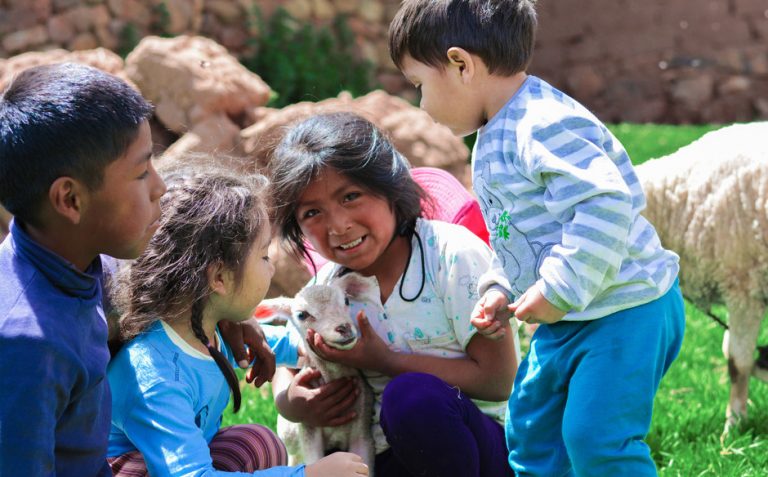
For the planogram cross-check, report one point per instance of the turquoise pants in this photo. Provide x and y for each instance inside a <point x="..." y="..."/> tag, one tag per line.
<point x="583" y="396"/>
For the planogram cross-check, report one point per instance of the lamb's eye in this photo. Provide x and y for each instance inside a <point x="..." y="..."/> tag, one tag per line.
<point x="302" y="315"/>
<point x="346" y="300"/>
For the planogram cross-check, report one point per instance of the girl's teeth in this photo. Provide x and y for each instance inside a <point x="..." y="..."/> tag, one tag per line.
<point x="351" y="244"/>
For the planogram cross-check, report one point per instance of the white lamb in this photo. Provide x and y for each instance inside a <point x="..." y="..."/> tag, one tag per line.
<point x="325" y="309"/>
<point x="709" y="203"/>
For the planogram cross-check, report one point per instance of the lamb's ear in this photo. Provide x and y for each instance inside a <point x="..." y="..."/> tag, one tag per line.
<point x="274" y="311"/>
<point x="357" y="286"/>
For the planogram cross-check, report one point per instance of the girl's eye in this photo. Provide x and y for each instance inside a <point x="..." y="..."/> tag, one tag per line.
<point x="351" y="196"/>
<point x="266" y="258"/>
<point x="309" y="213"/>
<point x="144" y="174"/>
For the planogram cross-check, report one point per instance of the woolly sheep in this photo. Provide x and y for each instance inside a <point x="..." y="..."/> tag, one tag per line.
<point x="708" y="204"/>
<point x="325" y="309"/>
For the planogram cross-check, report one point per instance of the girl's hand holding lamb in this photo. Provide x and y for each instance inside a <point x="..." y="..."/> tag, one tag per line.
<point x="370" y="352"/>
<point x="323" y="405"/>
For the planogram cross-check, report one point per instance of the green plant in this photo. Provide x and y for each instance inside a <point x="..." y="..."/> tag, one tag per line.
<point x="161" y="20"/>
<point x="303" y="62"/>
<point x="127" y="39"/>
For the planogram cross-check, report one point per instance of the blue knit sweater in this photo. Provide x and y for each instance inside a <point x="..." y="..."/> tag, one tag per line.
<point x="54" y="398"/>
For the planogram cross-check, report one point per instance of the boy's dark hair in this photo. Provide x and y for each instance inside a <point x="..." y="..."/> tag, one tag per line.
<point x="352" y="146"/>
<point x="64" y="119"/>
<point x="209" y="216"/>
<point x="500" y="32"/>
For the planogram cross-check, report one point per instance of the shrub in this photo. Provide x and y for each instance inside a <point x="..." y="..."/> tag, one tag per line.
<point x="304" y="62"/>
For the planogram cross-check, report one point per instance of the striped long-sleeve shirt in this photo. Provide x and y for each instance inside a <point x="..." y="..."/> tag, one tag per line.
<point x="562" y="203"/>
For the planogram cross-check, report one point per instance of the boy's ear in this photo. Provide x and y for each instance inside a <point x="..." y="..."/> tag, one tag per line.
<point x="219" y="278"/>
<point x="69" y="198"/>
<point x="464" y="61"/>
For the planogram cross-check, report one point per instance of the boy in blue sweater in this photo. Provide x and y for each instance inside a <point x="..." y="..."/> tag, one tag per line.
<point x="562" y="203"/>
<point x="76" y="172"/>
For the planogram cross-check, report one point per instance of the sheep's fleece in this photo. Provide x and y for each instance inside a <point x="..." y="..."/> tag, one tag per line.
<point x="708" y="204"/>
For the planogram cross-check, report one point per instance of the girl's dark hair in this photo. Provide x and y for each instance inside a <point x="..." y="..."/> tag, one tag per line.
<point x="501" y="32"/>
<point x="209" y="216"/>
<point x="352" y="146"/>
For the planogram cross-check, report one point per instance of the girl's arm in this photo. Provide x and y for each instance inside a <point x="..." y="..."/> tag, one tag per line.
<point x="486" y="373"/>
<point x="298" y="400"/>
<point x="161" y="425"/>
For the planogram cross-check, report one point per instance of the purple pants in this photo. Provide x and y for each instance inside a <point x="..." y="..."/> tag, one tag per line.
<point x="434" y="430"/>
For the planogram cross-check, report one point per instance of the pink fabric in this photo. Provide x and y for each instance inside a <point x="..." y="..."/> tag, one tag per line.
<point x="451" y="202"/>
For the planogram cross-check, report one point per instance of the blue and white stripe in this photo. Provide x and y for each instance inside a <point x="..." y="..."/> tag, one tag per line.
<point x="562" y="202"/>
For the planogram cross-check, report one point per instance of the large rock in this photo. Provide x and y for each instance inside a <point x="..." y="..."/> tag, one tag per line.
<point x="100" y="58"/>
<point x="215" y="135"/>
<point x="290" y="274"/>
<point x="191" y="78"/>
<point x="413" y="132"/>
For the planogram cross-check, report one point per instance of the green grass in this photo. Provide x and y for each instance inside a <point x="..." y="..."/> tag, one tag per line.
<point x="646" y="141"/>
<point x="690" y="406"/>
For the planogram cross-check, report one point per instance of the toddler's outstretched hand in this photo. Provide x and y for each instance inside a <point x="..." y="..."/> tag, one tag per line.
<point x="338" y="464"/>
<point x="490" y="314"/>
<point x="532" y="307"/>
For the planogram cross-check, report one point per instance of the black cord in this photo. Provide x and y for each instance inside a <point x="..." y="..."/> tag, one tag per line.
<point x="407" y="265"/>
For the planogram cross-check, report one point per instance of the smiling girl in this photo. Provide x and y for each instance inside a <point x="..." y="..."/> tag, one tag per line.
<point x="440" y="387"/>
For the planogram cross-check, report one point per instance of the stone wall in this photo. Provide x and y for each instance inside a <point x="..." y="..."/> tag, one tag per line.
<point x="672" y="61"/>
<point x="658" y="60"/>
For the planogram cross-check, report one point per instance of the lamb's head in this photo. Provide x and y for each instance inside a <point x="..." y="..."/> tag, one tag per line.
<point x="325" y="309"/>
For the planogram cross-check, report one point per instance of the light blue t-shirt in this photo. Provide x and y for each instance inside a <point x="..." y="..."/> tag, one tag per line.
<point x="168" y="400"/>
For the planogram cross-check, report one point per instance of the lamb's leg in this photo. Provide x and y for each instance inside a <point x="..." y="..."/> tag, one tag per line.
<point x="363" y="446"/>
<point x="744" y="317"/>
<point x="290" y="433"/>
<point x="312" y="445"/>
<point x="360" y="438"/>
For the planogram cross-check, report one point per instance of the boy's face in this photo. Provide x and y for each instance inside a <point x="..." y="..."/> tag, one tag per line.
<point x="444" y="96"/>
<point x="123" y="214"/>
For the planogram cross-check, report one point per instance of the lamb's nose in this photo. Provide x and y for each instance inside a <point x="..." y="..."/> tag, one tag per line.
<point x="344" y="330"/>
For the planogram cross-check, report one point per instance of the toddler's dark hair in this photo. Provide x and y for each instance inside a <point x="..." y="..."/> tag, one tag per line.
<point x="354" y="147"/>
<point x="64" y="119"/>
<point x="500" y="32"/>
<point x="209" y="216"/>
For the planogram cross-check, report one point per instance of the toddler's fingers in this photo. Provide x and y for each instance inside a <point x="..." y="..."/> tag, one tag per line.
<point x="480" y="323"/>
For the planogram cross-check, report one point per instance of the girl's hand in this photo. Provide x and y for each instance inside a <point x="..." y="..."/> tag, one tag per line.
<point x="370" y="352"/>
<point x="248" y="332"/>
<point x="490" y="314"/>
<point x="532" y="307"/>
<point x="338" y="464"/>
<point x="327" y="405"/>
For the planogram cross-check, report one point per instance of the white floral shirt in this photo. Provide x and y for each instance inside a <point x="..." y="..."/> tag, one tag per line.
<point x="436" y="323"/>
